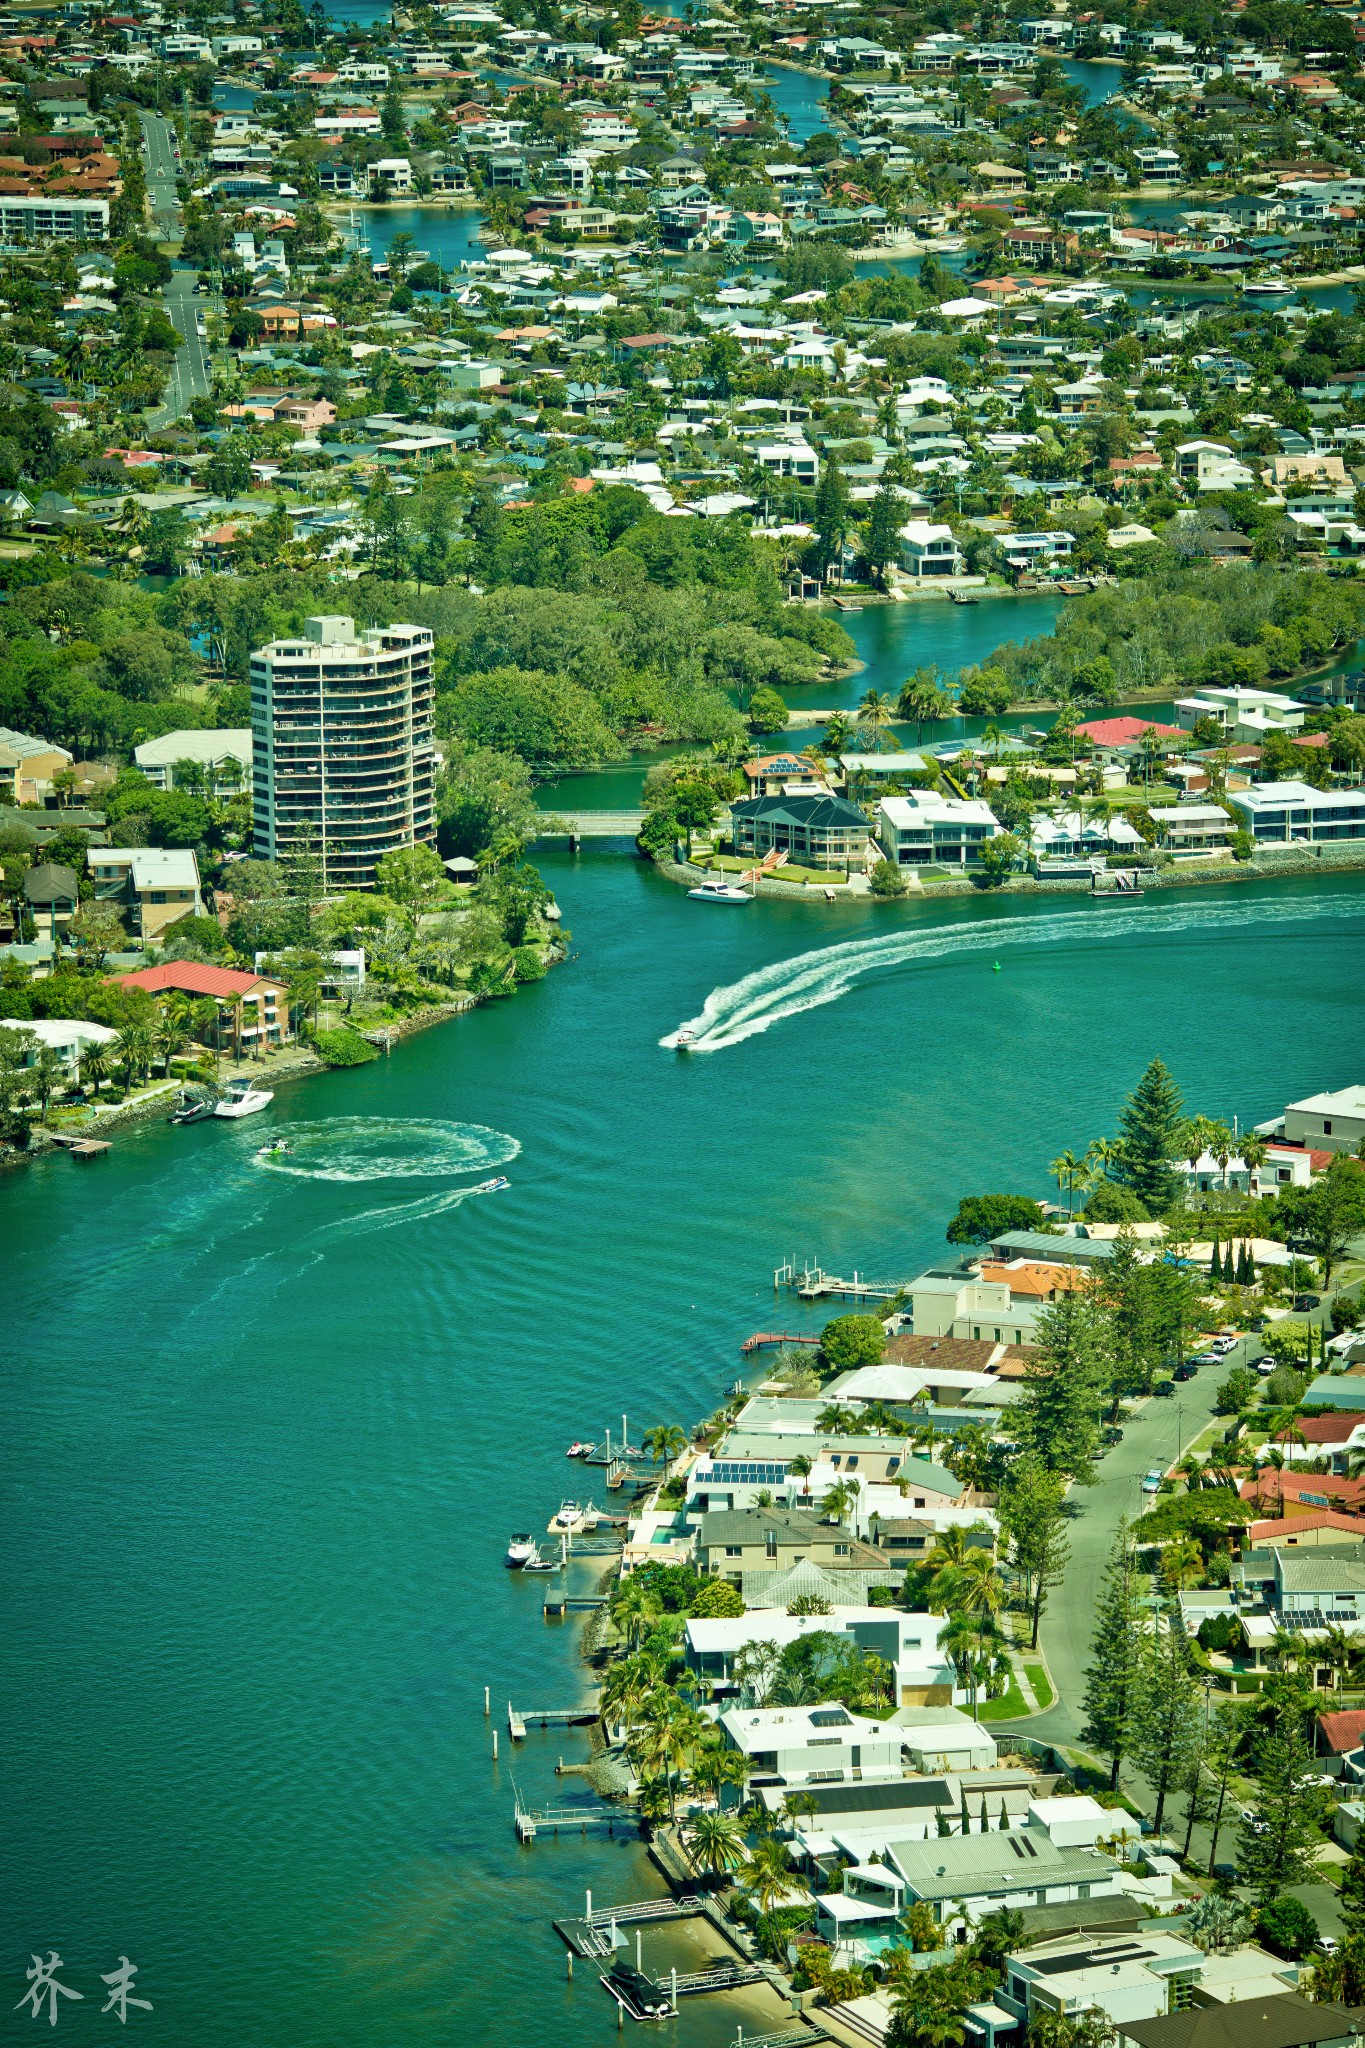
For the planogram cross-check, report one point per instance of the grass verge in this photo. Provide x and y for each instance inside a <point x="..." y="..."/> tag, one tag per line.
<point x="1042" y="1685"/>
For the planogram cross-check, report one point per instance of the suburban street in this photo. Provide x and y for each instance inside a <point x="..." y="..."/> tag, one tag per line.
<point x="190" y="376"/>
<point x="1154" y="1439"/>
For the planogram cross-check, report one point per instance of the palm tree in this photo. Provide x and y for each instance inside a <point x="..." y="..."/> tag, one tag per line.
<point x="1253" y="1151"/>
<point x="767" y="1874"/>
<point x="1221" y="1144"/>
<point x="875" y="712"/>
<point x="44" y="1077"/>
<point x="134" y="1045"/>
<point x="635" y="1607"/>
<point x="1338" y="1651"/>
<point x="94" y="1064"/>
<point x="664" y="1442"/>
<point x="167" y="1039"/>
<point x="842" y="1496"/>
<point x="714" y="1842"/>
<point x="1070" y="1173"/>
<point x="973" y="1646"/>
<point x="838" y="734"/>
<point x="800" y="1468"/>
<point x="973" y="1588"/>
<point x="837" y="1420"/>
<point x="1101" y="1156"/>
<point x="921" y="1927"/>
<point x="1182" y="1564"/>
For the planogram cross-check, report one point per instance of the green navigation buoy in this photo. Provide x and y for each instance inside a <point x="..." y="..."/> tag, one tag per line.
<point x="996" y="968"/>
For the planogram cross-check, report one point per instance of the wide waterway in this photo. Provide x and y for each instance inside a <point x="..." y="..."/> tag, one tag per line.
<point x="268" y="1428"/>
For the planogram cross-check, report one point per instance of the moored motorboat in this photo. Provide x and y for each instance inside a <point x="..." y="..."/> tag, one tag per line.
<point x="720" y="892"/>
<point x="569" y="1516"/>
<point x="578" y="1449"/>
<point x="1268" y="288"/>
<point x="242" y="1099"/>
<point x="521" y="1551"/>
<point x="192" y="1109"/>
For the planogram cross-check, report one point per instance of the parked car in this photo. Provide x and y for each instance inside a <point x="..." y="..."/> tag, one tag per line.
<point x="1222" y="1345"/>
<point x="1185" y="1371"/>
<point x="1225" y="1873"/>
<point x="1164" y="1387"/>
<point x="1110" y="1435"/>
<point x="1264" y="1365"/>
<point x="1204" y="1358"/>
<point x="1152" y="1481"/>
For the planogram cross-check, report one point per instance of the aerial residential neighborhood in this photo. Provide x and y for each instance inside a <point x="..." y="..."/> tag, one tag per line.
<point x="682" y="1137"/>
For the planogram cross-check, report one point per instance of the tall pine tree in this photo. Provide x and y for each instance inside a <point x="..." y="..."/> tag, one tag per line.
<point x="1165" y="1724"/>
<point x="1112" y="1672"/>
<point x="1147" y="1133"/>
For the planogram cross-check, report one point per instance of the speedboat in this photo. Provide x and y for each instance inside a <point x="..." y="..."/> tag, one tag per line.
<point x="570" y="1516"/>
<point x="580" y="1450"/>
<point x="243" y="1100"/>
<point x="521" y="1551"/>
<point x="720" y="892"/>
<point x="272" y="1151"/>
<point x="490" y="1187"/>
<point x="1268" y="288"/>
<point x="193" y="1109"/>
<point x="684" y="1037"/>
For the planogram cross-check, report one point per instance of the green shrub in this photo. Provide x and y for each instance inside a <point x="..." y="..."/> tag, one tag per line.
<point x="887" y="879"/>
<point x="343" y="1047"/>
<point x="530" y="963"/>
<point x="1220" y="1632"/>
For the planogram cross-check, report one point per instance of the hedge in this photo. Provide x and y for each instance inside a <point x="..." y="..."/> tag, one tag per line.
<point x="343" y="1047"/>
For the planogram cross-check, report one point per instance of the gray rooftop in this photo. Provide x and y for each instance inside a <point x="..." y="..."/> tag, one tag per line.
<point x="1021" y="1861"/>
<point x="1041" y="1244"/>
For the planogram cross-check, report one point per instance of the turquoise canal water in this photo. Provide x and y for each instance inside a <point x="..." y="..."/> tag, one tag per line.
<point x="268" y="1428"/>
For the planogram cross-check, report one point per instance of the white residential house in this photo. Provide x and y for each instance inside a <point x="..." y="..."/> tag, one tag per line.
<point x="811" y="1745"/>
<point x="1244" y="714"/>
<point x="1187" y="831"/>
<point x="220" y="753"/>
<point x="393" y="173"/>
<point x="924" y="828"/>
<point x="929" y="550"/>
<point x="924" y="1675"/>
<point x="1123" y="1977"/>
<point x="1067" y="835"/>
<point x="1293" y="814"/>
<point x="69" y="1037"/>
<point x="1329" y="1123"/>
<point x="790" y="458"/>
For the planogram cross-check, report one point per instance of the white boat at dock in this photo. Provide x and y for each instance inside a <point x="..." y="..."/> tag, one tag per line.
<point x="1268" y="288"/>
<point x="242" y="1099"/>
<point x="720" y="892"/>
<point x="521" y="1551"/>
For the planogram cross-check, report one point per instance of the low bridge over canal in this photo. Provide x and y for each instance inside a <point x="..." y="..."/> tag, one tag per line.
<point x="577" y="825"/>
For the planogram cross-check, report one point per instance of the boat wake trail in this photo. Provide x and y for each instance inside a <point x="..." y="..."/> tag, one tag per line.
<point x="366" y="1148"/>
<point x="361" y="1150"/>
<point x="743" y="1009"/>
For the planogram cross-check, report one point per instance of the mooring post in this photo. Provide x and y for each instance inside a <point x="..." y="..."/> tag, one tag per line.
<point x="495" y="1745"/>
<point x="486" y="1708"/>
<point x="587" y="1910"/>
<point x="569" y="1960"/>
<point x="673" y="1994"/>
<point x="638" y="1961"/>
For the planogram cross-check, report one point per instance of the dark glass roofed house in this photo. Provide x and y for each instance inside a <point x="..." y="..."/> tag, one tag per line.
<point x="813" y="831"/>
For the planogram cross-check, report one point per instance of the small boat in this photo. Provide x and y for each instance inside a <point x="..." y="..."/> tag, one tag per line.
<point x="193" y="1109"/>
<point x="963" y="597"/>
<point x="579" y="1449"/>
<point x="570" y="1516"/>
<point x="544" y="1564"/>
<point x="521" y="1551"/>
<point x="490" y="1187"/>
<point x="243" y="1100"/>
<point x="273" y="1151"/>
<point x="684" y="1037"/>
<point x="1268" y="288"/>
<point x="720" y="892"/>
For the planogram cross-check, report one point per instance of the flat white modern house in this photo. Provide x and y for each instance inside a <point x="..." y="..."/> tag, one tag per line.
<point x="1293" y="814"/>
<point x="908" y="1643"/>
<point x="811" y="1745"/>
<point x="1244" y="714"/>
<point x="929" y="550"/>
<point x="923" y="828"/>
<point x="1332" y="1122"/>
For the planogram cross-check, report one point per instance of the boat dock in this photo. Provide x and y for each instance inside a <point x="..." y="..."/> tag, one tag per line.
<point x="762" y="1340"/>
<point x="519" y="1719"/>
<point x="82" y="1148"/>
<point x="594" y="1933"/>
<point x="813" y="1283"/>
<point x="530" y="1821"/>
<point x="557" y="1604"/>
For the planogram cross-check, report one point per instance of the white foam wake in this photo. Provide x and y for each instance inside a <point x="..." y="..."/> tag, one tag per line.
<point x="366" y="1148"/>
<point x="743" y="1009"/>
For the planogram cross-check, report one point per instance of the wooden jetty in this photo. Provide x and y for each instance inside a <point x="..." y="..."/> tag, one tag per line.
<point x="813" y="1283"/>
<point x="519" y="1719"/>
<point x="81" y="1148"/>
<point x="557" y="1604"/>
<point x="591" y="1934"/>
<point x="764" y="1339"/>
<point x="532" y="1820"/>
